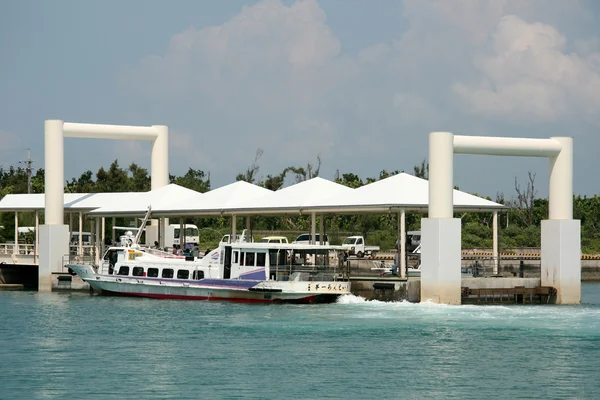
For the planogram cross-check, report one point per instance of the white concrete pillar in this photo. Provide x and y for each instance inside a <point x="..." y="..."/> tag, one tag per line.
<point x="233" y="228"/>
<point x="160" y="170"/>
<point x="440" y="232"/>
<point x="441" y="164"/>
<point x="402" y="243"/>
<point x="495" y="255"/>
<point x="54" y="172"/>
<point x="561" y="259"/>
<point x="313" y="228"/>
<point x="321" y="229"/>
<point x="37" y="238"/>
<point x="561" y="234"/>
<point x="160" y="158"/>
<point x="560" y="198"/>
<point x="80" y="243"/>
<point x="16" y="246"/>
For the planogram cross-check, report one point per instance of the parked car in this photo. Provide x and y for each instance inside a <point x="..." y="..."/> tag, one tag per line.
<point x="305" y="239"/>
<point x="356" y="246"/>
<point x="273" y="239"/>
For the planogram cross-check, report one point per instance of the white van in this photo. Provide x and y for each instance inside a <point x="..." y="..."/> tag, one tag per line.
<point x="86" y="238"/>
<point x="305" y="239"/>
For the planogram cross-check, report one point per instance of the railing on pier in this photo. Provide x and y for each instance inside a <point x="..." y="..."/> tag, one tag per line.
<point x="11" y="248"/>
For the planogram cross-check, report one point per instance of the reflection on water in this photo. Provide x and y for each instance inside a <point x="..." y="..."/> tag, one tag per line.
<point x="80" y="346"/>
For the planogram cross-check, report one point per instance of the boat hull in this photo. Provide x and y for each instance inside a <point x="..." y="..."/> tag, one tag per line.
<point x="235" y="290"/>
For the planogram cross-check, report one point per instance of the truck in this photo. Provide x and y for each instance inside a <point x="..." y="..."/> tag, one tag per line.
<point x="355" y="245"/>
<point x="172" y="234"/>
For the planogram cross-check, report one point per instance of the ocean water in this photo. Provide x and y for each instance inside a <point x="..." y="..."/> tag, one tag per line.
<point x="77" y="346"/>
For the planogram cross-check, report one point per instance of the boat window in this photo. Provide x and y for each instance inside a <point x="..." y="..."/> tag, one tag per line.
<point x="274" y="260"/>
<point x="236" y="254"/>
<point x="260" y="259"/>
<point x="183" y="274"/>
<point x="198" y="275"/>
<point x="242" y="258"/>
<point x="167" y="273"/>
<point x="123" y="270"/>
<point x="249" y="259"/>
<point x="112" y="256"/>
<point x="153" y="272"/>
<point x="138" y="271"/>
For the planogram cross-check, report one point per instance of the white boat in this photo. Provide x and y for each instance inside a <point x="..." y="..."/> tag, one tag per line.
<point x="239" y="271"/>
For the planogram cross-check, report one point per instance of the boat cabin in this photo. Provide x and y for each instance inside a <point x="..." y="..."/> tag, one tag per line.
<point x="243" y="261"/>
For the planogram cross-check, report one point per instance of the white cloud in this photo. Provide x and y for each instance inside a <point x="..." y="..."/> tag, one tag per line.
<point x="529" y="76"/>
<point x="275" y="77"/>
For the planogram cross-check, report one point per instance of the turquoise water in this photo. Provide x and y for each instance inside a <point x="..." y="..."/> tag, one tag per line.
<point x="77" y="346"/>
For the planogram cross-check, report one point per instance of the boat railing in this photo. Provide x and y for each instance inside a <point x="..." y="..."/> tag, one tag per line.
<point x="161" y="253"/>
<point x="296" y="272"/>
<point x="80" y="259"/>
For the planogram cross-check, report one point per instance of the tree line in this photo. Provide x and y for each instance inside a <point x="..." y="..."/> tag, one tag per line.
<point x="519" y="226"/>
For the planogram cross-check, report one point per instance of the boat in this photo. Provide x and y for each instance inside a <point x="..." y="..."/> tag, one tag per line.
<point x="239" y="271"/>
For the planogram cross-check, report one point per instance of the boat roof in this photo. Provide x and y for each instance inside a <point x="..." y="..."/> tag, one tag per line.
<point x="284" y="246"/>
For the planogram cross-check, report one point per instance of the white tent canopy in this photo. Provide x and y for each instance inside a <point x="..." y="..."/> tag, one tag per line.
<point x="216" y="201"/>
<point x="401" y="191"/>
<point x="137" y="203"/>
<point x="32" y="202"/>
<point x="293" y="199"/>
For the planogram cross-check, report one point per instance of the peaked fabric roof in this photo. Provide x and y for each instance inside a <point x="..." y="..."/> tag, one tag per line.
<point x="34" y="201"/>
<point x="137" y="203"/>
<point x="91" y="201"/>
<point x="294" y="198"/>
<point x="216" y="201"/>
<point x="399" y="191"/>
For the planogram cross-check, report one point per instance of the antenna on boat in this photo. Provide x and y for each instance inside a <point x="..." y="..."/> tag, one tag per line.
<point x="138" y="236"/>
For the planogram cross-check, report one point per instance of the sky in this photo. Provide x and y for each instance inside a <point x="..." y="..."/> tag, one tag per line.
<point x="360" y="84"/>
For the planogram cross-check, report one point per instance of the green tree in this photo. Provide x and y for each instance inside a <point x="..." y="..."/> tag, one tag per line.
<point x="194" y="179"/>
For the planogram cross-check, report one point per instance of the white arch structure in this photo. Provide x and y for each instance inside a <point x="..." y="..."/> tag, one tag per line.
<point x="54" y="234"/>
<point x="441" y="244"/>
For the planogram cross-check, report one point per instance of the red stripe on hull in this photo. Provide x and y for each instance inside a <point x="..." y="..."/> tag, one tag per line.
<point x="304" y="300"/>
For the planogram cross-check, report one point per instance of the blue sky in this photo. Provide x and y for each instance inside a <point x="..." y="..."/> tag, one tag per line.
<point x="361" y="84"/>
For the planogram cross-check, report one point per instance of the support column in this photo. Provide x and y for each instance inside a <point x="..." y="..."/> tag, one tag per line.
<point x="103" y="236"/>
<point x="321" y="229"/>
<point x="37" y="238"/>
<point x="114" y="222"/>
<point x="402" y="242"/>
<point x="495" y="255"/>
<point x="181" y="234"/>
<point x="248" y="237"/>
<point x="561" y="234"/>
<point x="441" y="234"/>
<point x="233" y="228"/>
<point x="313" y="228"/>
<point x="16" y="246"/>
<point x="80" y="244"/>
<point x="97" y="240"/>
<point x="160" y="172"/>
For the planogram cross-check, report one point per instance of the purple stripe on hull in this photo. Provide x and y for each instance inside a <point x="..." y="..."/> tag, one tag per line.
<point x="236" y="283"/>
<point x="258" y="275"/>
